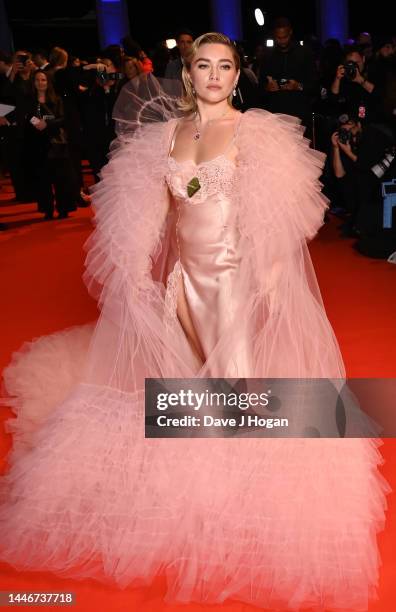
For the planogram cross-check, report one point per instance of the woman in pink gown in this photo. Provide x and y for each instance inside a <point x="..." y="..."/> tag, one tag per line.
<point x="200" y="266"/>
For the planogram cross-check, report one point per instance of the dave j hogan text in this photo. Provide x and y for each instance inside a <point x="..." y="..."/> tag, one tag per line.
<point x="245" y="420"/>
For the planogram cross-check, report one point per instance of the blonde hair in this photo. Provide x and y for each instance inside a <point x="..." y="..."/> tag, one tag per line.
<point x="188" y="102"/>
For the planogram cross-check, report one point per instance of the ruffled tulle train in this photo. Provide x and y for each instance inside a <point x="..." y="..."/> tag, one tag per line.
<point x="269" y="522"/>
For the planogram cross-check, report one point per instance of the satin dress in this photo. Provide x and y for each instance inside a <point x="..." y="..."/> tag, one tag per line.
<point x="206" y="246"/>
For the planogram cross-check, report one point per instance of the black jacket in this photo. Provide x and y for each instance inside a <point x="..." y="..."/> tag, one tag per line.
<point x="296" y="63"/>
<point x="39" y="142"/>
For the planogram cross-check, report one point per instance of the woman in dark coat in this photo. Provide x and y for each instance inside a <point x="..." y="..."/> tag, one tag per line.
<point x="47" y="141"/>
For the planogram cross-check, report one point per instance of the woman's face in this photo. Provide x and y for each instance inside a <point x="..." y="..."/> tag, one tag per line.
<point x="40" y="82"/>
<point x="130" y="69"/>
<point x="213" y="72"/>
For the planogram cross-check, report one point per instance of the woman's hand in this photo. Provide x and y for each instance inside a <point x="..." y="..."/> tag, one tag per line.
<point x="271" y="84"/>
<point x="345" y="147"/>
<point x="41" y="125"/>
<point x="31" y="65"/>
<point x="338" y="167"/>
<point x="358" y="77"/>
<point x="347" y="150"/>
<point x="363" y="82"/>
<point x="99" y="67"/>
<point x="336" y="84"/>
<point x="335" y="140"/>
<point x="340" y="73"/>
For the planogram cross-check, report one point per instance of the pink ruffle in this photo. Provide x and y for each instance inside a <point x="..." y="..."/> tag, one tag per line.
<point x="287" y="523"/>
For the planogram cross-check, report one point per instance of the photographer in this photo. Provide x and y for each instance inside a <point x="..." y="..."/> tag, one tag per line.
<point x="356" y="150"/>
<point x="351" y="92"/>
<point x="22" y="69"/>
<point x="288" y="79"/>
<point x="15" y="91"/>
<point x="102" y="84"/>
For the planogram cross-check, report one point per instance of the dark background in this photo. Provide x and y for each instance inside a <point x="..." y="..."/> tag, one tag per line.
<point x="72" y="24"/>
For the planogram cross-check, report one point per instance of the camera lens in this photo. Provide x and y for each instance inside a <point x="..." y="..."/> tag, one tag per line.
<point x="344" y="136"/>
<point x="384" y="164"/>
<point x="350" y="70"/>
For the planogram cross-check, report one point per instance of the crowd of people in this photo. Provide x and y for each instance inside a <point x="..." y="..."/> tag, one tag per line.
<point x="61" y="113"/>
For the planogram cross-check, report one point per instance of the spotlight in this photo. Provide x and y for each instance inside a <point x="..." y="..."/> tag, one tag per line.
<point x="269" y="42"/>
<point x="170" y="43"/>
<point x="259" y="15"/>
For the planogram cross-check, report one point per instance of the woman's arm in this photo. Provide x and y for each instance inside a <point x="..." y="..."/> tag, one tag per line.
<point x="363" y="82"/>
<point x="335" y="86"/>
<point x="338" y="167"/>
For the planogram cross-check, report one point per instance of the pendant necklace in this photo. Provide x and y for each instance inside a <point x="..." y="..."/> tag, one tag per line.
<point x="197" y="134"/>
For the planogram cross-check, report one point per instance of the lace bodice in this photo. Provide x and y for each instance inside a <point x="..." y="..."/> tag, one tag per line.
<point x="205" y="238"/>
<point x="215" y="176"/>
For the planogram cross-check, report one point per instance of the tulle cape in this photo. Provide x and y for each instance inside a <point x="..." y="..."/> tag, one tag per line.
<point x="278" y="206"/>
<point x="287" y="523"/>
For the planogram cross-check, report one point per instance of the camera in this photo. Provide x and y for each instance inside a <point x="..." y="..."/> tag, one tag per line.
<point x="110" y="76"/>
<point x="282" y="82"/>
<point x="344" y="136"/>
<point x="22" y="58"/>
<point x="351" y="70"/>
<point x="384" y="164"/>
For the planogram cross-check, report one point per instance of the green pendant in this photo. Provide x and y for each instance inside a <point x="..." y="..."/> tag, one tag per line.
<point x="193" y="186"/>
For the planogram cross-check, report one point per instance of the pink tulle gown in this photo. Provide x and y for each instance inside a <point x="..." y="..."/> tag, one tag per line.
<point x="277" y="523"/>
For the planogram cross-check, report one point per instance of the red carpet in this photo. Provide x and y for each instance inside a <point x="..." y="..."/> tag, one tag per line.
<point x="42" y="292"/>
